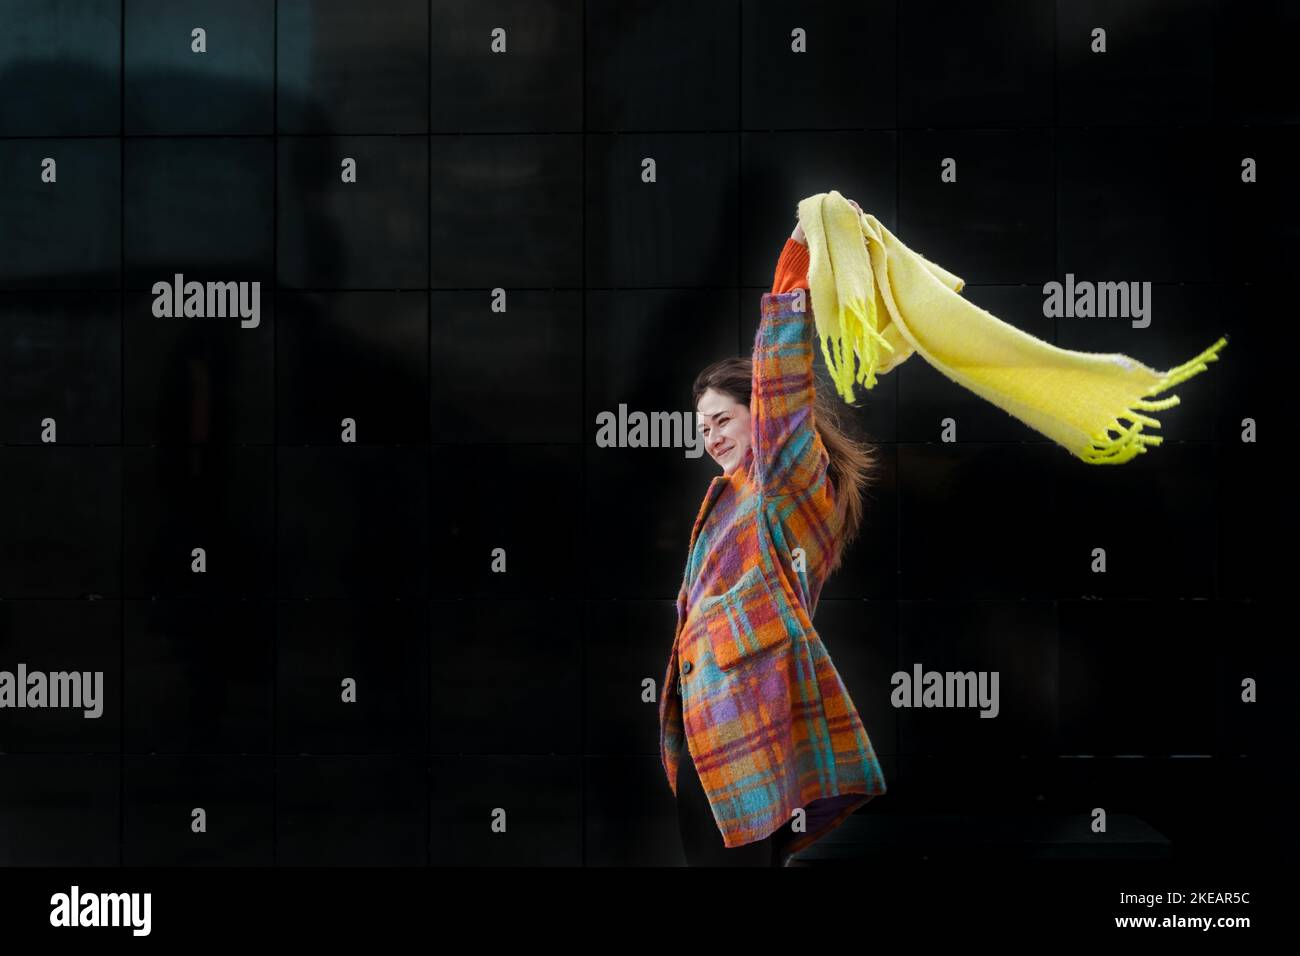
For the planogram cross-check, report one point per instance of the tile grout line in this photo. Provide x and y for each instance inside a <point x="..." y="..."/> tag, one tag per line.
<point x="275" y="431"/>
<point x="426" y="618"/>
<point x="582" y="463"/>
<point x="121" y="436"/>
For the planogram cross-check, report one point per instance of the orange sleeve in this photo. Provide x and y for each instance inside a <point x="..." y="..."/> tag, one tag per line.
<point x="791" y="268"/>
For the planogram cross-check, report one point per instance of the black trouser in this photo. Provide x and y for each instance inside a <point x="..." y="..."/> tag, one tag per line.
<point x="701" y="838"/>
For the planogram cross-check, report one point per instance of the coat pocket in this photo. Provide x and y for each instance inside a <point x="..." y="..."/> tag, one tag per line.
<point x="748" y="619"/>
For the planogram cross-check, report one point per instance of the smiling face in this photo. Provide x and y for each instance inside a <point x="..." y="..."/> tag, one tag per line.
<point x="724" y="426"/>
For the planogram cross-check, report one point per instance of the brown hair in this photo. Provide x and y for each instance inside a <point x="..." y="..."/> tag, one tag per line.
<point x="852" y="462"/>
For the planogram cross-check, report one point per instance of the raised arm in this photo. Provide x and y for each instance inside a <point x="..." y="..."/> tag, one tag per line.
<point x="789" y="456"/>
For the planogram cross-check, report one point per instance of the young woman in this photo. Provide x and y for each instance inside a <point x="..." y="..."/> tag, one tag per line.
<point x="762" y="745"/>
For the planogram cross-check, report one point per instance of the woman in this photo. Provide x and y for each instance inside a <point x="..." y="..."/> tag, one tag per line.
<point x="760" y="740"/>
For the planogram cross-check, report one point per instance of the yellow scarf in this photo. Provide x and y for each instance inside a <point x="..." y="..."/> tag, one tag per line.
<point x="1074" y="398"/>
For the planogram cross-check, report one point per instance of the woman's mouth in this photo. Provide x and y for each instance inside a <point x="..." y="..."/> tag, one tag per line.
<point x="723" y="451"/>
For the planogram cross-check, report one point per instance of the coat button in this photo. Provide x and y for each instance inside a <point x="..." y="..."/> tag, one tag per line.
<point x="686" y="667"/>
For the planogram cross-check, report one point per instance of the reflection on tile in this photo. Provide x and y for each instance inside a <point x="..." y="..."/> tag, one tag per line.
<point x="200" y="207"/>
<point x="219" y="500"/>
<point x="507" y="211"/>
<point x="65" y="539"/>
<point x="198" y="381"/>
<point x="369" y="230"/>
<point x="341" y="69"/>
<point x="227" y="87"/>
<point x="353" y="363"/>
<point x="60" y="359"/>
<point x="628" y="87"/>
<point x="527" y="77"/>
<point x="66" y="58"/>
<point x="60" y="201"/>
<point x="507" y="377"/>
<point x="680" y="229"/>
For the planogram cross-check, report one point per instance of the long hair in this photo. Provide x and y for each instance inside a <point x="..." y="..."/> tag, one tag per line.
<point x="852" y="462"/>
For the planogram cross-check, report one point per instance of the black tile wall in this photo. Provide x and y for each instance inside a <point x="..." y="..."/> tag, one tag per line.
<point x="532" y="649"/>
<point x="198" y="810"/>
<point x="203" y="206"/>
<point x="79" y="335"/>
<point x="362" y="584"/>
<point x="71" y="236"/>
<point x="985" y="66"/>
<point x="169" y="90"/>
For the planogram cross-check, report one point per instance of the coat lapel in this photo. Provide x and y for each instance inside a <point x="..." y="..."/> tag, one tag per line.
<point x="716" y="487"/>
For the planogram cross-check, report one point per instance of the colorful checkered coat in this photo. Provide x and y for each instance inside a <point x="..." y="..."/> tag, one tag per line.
<point x="768" y="721"/>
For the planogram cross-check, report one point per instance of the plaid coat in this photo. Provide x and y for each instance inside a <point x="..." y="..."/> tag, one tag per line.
<point x="769" y="723"/>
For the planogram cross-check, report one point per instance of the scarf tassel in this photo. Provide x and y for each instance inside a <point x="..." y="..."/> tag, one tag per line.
<point x="859" y="333"/>
<point x="1130" y="442"/>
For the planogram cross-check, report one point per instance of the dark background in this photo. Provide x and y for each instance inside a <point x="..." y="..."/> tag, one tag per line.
<point x="476" y="430"/>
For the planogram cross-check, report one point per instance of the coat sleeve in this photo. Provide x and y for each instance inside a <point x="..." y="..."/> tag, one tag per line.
<point x="789" y="456"/>
<point x="791" y="268"/>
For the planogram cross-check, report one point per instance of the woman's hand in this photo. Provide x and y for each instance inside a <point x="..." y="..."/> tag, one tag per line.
<point x="798" y="235"/>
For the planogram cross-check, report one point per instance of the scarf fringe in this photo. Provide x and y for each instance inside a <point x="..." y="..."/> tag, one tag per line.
<point x="1130" y="442"/>
<point x="859" y="335"/>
